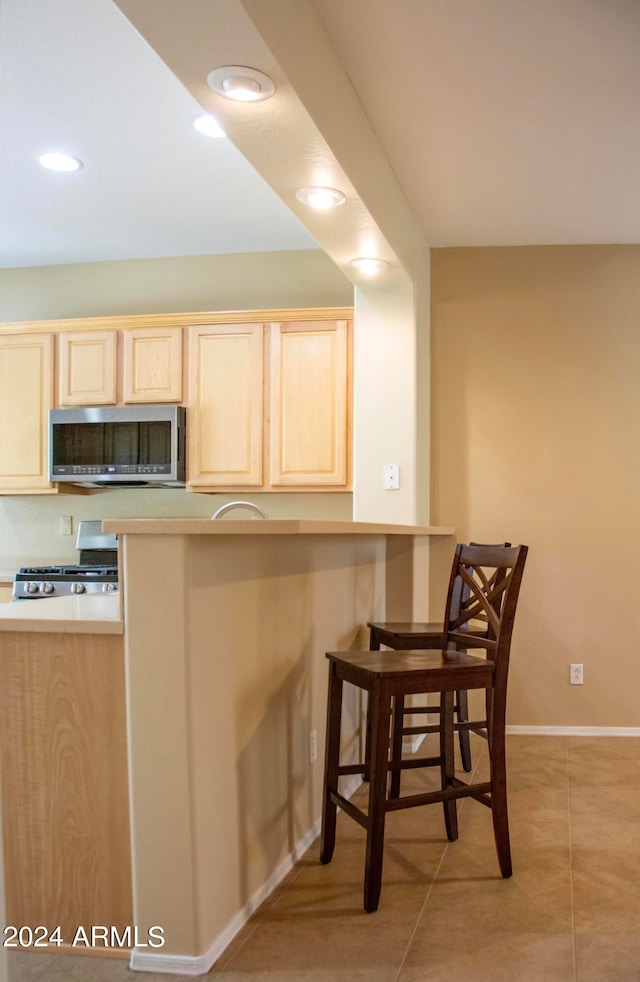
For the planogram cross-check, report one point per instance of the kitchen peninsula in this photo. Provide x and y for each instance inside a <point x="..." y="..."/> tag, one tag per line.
<point x="226" y="626"/>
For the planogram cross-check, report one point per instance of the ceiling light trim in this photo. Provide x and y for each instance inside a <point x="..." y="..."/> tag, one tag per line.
<point x="206" y="124"/>
<point x="63" y="163"/>
<point x="369" y="266"/>
<point x="321" y="198"/>
<point x="240" y="83"/>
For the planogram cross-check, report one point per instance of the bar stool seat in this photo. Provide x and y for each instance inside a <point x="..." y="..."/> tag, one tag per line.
<point x="405" y="634"/>
<point x="492" y="575"/>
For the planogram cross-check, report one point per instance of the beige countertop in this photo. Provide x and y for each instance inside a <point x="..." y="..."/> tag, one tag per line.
<point x="269" y="526"/>
<point x="99" y="614"/>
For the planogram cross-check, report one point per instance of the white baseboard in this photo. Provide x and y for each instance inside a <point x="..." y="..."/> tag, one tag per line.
<point x="143" y="961"/>
<point x="413" y="745"/>
<point x="612" y="731"/>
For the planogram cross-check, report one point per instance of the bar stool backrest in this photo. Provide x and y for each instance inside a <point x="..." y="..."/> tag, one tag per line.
<point x="460" y="594"/>
<point x="484" y="586"/>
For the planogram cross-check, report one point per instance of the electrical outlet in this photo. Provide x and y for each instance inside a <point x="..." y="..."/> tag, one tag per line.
<point x="66" y="525"/>
<point x="313" y="746"/>
<point x="576" y="675"/>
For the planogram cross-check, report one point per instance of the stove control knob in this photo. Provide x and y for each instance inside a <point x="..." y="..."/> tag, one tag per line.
<point x="46" y="587"/>
<point x="32" y="587"/>
<point x="77" y="587"/>
<point x="109" y="587"/>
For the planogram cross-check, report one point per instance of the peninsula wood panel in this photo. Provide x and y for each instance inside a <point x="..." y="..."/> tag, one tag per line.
<point x="225" y="405"/>
<point x="153" y="365"/>
<point x="64" y="781"/>
<point x="26" y="392"/>
<point x="309" y="403"/>
<point x="88" y="368"/>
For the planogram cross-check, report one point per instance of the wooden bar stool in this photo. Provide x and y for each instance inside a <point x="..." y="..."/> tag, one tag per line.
<point x="492" y="575"/>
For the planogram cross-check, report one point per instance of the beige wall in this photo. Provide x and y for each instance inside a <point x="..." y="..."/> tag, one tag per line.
<point x="243" y="281"/>
<point x="536" y="423"/>
<point x="29" y="525"/>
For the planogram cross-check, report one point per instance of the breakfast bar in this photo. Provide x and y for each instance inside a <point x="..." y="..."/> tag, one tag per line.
<point x="226" y="625"/>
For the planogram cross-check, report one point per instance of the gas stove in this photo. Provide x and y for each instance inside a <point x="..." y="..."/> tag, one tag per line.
<point x="34" y="582"/>
<point x="97" y="571"/>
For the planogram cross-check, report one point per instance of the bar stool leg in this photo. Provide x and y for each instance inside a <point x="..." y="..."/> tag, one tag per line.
<point x="447" y="764"/>
<point x="499" y="810"/>
<point x="463" y="717"/>
<point x="396" y="744"/>
<point x="374" y="645"/>
<point x="331" y="764"/>
<point x="380" y="703"/>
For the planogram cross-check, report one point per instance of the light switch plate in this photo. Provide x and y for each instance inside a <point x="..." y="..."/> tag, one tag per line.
<point x="391" y="477"/>
<point x="66" y="525"/>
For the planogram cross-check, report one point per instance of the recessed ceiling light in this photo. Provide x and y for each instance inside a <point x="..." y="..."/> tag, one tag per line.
<point x="241" y="84"/>
<point x="206" y="124"/>
<point x="320" y="198"/>
<point x="60" y="161"/>
<point x="370" y="267"/>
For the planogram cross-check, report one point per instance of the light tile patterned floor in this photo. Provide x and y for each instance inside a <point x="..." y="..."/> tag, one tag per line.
<point x="570" y="913"/>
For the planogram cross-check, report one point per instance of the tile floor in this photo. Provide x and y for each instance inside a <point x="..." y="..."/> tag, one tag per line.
<point x="570" y="913"/>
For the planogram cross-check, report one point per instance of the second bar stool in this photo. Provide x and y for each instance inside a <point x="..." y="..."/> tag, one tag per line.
<point x="404" y="636"/>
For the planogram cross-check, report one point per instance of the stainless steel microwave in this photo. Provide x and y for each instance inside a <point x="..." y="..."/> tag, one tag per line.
<point x="119" y="445"/>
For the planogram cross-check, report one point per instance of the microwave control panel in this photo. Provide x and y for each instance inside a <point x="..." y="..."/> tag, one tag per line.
<point x="64" y="470"/>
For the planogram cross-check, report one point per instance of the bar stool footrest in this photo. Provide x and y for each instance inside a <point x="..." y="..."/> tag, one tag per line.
<point x="403" y="765"/>
<point x="461" y="790"/>
<point x="355" y="813"/>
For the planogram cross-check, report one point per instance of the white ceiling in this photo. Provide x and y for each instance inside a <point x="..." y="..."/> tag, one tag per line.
<point x="76" y="76"/>
<point x="506" y="122"/>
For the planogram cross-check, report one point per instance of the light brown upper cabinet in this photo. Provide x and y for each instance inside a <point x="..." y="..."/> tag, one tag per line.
<point x="153" y="365"/>
<point x="267" y="393"/>
<point x="26" y="393"/>
<point x="87" y="368"/>
<point x="302" y="428"/>
<point x="310" y="400"/>
<point x="224" y="417"/>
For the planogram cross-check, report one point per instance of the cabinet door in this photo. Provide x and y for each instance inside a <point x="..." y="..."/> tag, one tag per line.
<point x="65" y="800"/>
<point x="88" y="368"/>
<point x="309" y="404"/>
<point x="153" y="365"/>
<point x="225" y="405"/>
<point x="26" y="391"/>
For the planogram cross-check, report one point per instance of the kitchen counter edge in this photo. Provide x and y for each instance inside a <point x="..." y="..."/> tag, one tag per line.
<point x="269" y="526"/>
<point x="63" y="615"/>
